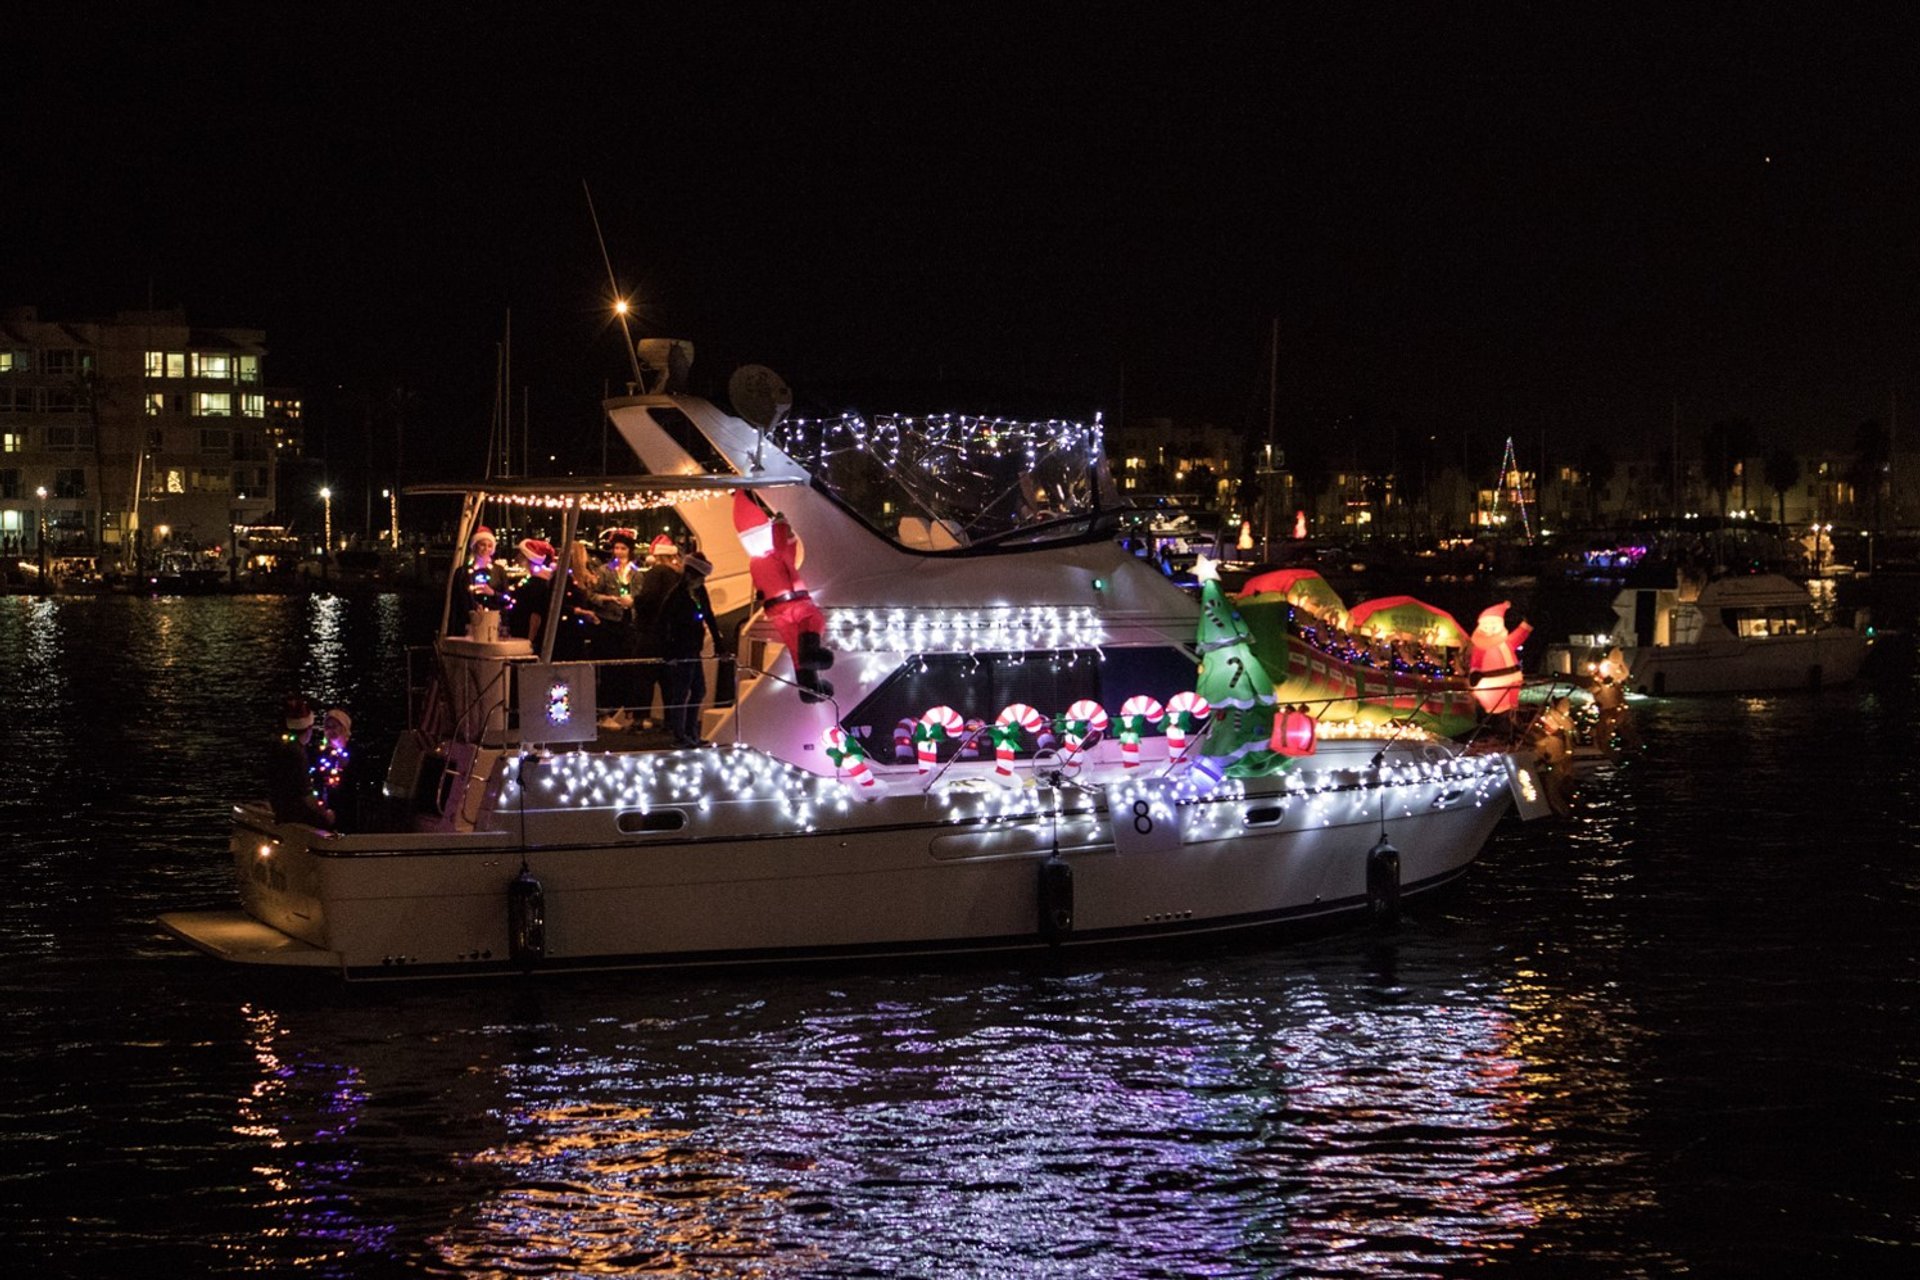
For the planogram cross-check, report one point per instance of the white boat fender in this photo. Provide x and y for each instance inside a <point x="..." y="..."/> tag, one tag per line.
<point x="1056" y="898"/>
<point x="1383" y="882"/>
<point x="526" y="919"/>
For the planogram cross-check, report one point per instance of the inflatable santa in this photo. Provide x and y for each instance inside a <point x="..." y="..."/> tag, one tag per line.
<point x="1493" y="666"/>
<point x="774" y="561"/>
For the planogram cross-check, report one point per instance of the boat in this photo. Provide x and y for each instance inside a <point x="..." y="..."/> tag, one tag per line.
<point x="1748" y="633"/>
<point x="995" y="740"/>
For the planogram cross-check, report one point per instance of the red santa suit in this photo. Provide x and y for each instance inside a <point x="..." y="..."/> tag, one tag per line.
<point x="1493" y="666"/>
<point x="774" y="554"/>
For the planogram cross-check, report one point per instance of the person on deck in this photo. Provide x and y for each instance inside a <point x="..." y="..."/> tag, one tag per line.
<point x="683" y="631"/>
<point x="534" y="596"/>
<point x="335" y="781"/>
<point x="579" y="618"/>
<point x="659" y="582"/>
<point x="289" y="772"/>
<point x="475" y="589"/>
<point x="614" y="592"/>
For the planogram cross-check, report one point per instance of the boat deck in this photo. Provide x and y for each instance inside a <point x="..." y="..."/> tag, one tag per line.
<point x="236" y="936"/>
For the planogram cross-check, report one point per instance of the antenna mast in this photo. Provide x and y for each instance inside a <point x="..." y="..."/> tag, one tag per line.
<point x="619" y="303"/>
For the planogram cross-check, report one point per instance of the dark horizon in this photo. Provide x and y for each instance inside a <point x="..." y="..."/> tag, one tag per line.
<point x="1538" y="228"/>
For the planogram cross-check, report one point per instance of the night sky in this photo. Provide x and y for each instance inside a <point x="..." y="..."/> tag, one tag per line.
<point x="1466" y="219"/>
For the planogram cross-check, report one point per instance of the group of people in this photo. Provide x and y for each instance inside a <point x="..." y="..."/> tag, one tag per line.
<point x="309" y="776"/>
<point x="1400" y="654"/>
<point x="650" y="618"/>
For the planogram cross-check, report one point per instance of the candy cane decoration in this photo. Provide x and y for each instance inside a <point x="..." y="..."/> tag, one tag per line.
<point x="903" y="738"/>
<point x="936" y="724"/>
<point x="1137" y="715"/>
<point x="1006" y="736"/>
<point x="1185" y="711"/>
<point x="846" y="754"/>
<point x="1084" y="719"/>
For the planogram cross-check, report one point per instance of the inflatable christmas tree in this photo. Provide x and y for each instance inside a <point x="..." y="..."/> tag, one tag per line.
<point x="1237" y="685"/>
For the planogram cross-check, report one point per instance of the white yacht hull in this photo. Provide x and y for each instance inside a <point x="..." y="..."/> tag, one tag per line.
<point x="879" y="879"/>
<point x="1748" y="666"/>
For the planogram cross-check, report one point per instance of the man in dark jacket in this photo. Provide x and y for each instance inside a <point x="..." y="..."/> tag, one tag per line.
<point x="289" y="767"/>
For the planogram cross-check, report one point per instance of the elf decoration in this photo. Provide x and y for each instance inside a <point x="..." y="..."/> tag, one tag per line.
<point x="847" y="755"/>
<point x="774" y="562"/>
<point x="1137" y="715"/>
<point x="1186" y="712"/>
<point x="1235" y="684"/>
<point x="1083" y="719"/>
<point x="938" y="725"/>
<point x="1006" y="730"/>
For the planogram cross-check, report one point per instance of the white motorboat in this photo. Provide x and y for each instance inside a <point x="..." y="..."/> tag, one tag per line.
<point x="531" y="839"/>
<point x="1746" y="634"/>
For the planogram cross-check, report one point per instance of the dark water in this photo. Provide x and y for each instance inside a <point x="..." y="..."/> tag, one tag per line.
<point x="1676" y="1035"/>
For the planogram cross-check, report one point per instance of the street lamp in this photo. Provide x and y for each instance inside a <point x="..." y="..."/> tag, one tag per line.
<point x="40" y="536"/>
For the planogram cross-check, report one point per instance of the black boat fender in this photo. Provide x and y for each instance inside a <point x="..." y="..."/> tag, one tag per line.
<point x="1056" y="898"/>
<point x="1383" y="882"/>
<point x="526" y="919"/>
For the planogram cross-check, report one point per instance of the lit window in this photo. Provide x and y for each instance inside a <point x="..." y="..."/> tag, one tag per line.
<point x="156" y="403"/>
<point x="156" y="364"/>
<point x="6" y="362"/>
<point x="10" y="522"/>
<point x="213" y="404"/>
<point x="176" y="480"/>
<point x="253" y="405"/>
<point x="176" y="364"/>
<point x="212" y="364"/>
<point x="249" y="368"/>
<point x="13" y="441"/>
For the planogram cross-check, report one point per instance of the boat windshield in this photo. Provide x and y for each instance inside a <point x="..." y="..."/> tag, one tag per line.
<point x="948" y="482"/>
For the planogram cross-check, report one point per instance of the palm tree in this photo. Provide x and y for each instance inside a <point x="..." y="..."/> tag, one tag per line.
<point x="1724" y="450"/>
<point x="1597" y="467"/>
<point x="1868" y="471"/>
<point x="1782" y="471"/>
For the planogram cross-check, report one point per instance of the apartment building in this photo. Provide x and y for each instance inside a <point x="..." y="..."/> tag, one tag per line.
<point x="123" y="438"/>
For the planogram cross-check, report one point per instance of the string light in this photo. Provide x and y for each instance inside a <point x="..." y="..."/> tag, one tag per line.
<point x="964" y="630"/>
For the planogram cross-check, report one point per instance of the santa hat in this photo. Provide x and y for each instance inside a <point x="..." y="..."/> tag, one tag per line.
<point x="346" y="721"/>
<point x="481" y="532"/>
<point x="662" y="546"/>
<point x="747" y="514"/>
<point x="537" y="549"/>
<point x="754" y="526"/>
<point x="1493" y="617"/>
<point x="297" y="712"/>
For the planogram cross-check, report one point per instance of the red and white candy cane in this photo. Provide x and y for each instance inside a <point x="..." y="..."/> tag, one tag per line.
<point x="1137" y="715"/>
<point x="846" y="753"/>
<point x="936" y="724"/>
<point x="1006" y="736"/>
<point x="1084" y="719"/>
<point x="1185" y="711"/>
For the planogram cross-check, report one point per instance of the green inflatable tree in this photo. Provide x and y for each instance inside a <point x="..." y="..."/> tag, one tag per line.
<point x="1237" y="685"/>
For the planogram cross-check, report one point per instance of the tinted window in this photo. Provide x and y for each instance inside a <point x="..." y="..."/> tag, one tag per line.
<point x="978" y="686"/>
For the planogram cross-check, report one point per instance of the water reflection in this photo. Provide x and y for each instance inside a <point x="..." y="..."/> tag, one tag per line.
<point x="1105" y="1125"/>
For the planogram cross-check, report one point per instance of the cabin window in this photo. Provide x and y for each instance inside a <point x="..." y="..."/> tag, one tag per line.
<point x="978" y="686"/>
<point x="633" y="822"/>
